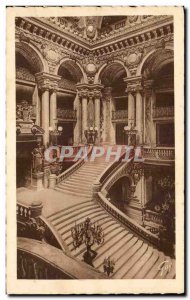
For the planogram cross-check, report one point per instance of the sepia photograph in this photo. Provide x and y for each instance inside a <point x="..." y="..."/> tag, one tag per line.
<point x="95" y="122"/>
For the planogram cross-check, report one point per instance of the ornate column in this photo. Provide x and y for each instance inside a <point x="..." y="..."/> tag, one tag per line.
<point x="83" y="96"/>
<point x="109" y="130"/>
<point x="53" y="100"/>
<point x="139" y="112"/>
<point x="46" y="82"/>
<point x="45" y="115"/>
<point x="36" y="102"/>
<point x="149" y="126"/>
<point x="135" y="105"/>
<point x="130" y="90"/>
<point x="97" y="97"/>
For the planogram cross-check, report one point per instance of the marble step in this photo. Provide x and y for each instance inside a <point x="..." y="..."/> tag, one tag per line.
<point x="76" y="217"/>
<point x="64" y="218"/>
<point x="132" y="261"/>
<point x="98" y="262"/>
<point x="110" y="234"/>
<point x="138" y="266"/>
<point x="76" y="187"/>
<point x="100" y="219"/>
<point x="147" y="267"/>
<point x="125" y="258"/>
<point x="65" y="229"/>
<point x="69" y="210"/>
<point x="87" y="196"/>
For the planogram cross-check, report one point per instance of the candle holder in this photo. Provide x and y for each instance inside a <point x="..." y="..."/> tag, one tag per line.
<point x="54" y="133"/>
<point x="87" y="233"/>
<point x="108" y="266"/>
<point x="91" y="135"/>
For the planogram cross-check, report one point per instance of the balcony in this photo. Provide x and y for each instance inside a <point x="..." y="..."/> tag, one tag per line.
<point x="66" y="114"/>
<point x="159" y="154"/>
<point x="120" y="116"/>
<point x="163" y="112"/>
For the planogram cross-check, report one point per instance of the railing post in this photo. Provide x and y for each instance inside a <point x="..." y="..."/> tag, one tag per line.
<point x="37" y="181"/>
<point x="52" y="181"/>
<point x="36" y="209"/>
<point x="95" y="190"/>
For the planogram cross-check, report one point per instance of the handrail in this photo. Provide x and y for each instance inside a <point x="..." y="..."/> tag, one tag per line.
<point x="73" y="168"/>
<point x="56" y="234"/>
<point x="165" y="153"/>
<point x="107" y="173"/>
<point x="47" y="262"/>
<point x="34" y="210"/>
<point x="127" y="221"/>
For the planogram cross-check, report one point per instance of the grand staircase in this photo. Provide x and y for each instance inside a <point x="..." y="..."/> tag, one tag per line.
<point x="134" y="258"/>
<point x="80" y="183"/>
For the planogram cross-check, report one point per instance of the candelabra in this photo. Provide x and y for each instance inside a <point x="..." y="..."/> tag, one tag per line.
<point x="108" y="266"/>
<point x="88" y="233"/>
<point x="91" y="135"/>
<point x="54" y="133"/>
<point x="131" y="132"/>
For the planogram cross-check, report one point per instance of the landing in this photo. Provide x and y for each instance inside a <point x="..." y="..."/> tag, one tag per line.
<point x="52" y="200"/>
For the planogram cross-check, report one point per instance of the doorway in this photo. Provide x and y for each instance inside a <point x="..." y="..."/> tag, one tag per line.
<point x="66" y="137"/>
<point x="121" y="136"/>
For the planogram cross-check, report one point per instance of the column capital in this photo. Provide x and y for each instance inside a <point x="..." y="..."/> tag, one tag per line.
<point x="148" y="86"/>
<point x="92" y="91"/>
<point x="134" y="84"/>
<point x="47" y="81"/>
<point x="107" y="92"/>
<point x="82" y="90"/>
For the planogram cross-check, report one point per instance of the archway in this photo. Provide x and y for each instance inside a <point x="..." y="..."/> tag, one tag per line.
<point x="67" y="101"/>
<point x="28" y="63"/>
<point x="159" y="68"/>
<point x="119" y="193"/>
<point x="116" y="117"/>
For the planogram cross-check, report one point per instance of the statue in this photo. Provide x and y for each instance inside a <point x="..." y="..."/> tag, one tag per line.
<point x="38" y="158"/>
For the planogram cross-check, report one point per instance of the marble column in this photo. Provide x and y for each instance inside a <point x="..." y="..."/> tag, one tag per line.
<point x="84" y="116"/>
<point x="78" y="125"/>
<point x="139" y="116"/>
<point x="97" y="114"/>
<point x="37" y="105"/>
<point x="53" y="107"/>
<point x="131" y="109"/>
<point x="109" y="130"/>
<point x="47" y="83"/>
<point x="45" y="115"/>
<point x="149" y="125"/>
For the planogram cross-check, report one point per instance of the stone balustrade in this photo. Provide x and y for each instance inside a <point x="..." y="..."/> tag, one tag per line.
<point x="27" y="211"/>
<point x="38" y="260"/>
<point x="162" y="153"/>
<point x="153" y="217"/>
<point x="72" y="169"/>
<point x="120" y="115"/>
<point x="159" y="112"/>
<point x="126" y="221"/>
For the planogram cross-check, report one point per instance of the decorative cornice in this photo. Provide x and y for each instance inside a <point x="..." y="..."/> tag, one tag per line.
<point x="160" y="26"/>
